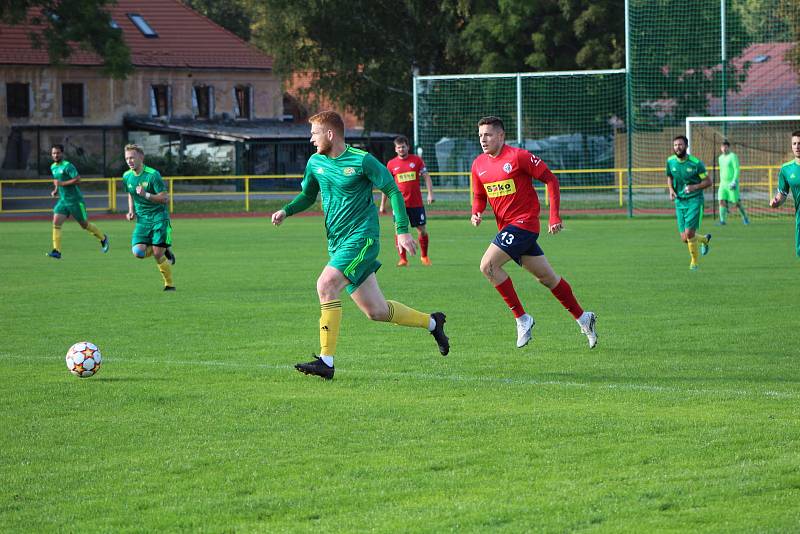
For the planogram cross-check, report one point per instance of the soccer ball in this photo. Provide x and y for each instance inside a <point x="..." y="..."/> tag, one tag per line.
<point x="83" y="359"/>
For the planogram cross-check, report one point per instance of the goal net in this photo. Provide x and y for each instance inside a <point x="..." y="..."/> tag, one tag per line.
<point x="762" y="145"/>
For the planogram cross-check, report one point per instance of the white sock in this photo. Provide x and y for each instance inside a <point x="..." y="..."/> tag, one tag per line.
<point x="583" y="318"/>
<point x="521" y="318"/>
<point x="327" y="359"/>
<point x="431" y="324"/>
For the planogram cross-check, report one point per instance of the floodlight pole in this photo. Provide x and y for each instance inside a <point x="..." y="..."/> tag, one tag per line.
<point x="519" y="111"/>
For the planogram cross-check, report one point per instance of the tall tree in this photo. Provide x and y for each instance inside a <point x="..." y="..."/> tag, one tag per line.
<point x="64" y="25"/>
<point x="541" y="35"/>
<point x="363" y="53"/>
<point x="230" y="14"/>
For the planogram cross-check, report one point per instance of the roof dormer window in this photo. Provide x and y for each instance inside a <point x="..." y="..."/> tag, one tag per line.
<point x="142" y="24"/>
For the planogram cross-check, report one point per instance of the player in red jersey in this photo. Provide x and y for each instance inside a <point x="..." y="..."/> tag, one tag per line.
<point x="407" y="169"/>
<point x="503" y="176"/>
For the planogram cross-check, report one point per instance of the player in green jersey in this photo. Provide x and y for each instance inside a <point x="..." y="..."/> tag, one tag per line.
<point x="686" y="179"/>
<point x="789" y="181"/>
<point x="345" y="177"/>
<point x="729" y="183"/>
<point x="147" y="203"/>
<point x="70" y="201"/>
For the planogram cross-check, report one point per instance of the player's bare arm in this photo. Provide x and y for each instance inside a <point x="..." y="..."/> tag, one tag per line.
<point x="382" y="208"/>
<point x="555" y="228"/>
<point x="696" y="187"/>
<point x="161" y="198"/>
<point x="429" y="186"/>
<point x="130" y="215"/>
<point x="672" y="194"/>
<point x="475" y="219"/>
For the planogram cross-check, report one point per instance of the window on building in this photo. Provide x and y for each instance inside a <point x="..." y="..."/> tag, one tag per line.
<point x="18" y="100"/>
<point x="72" y="99"/>
<point x="241" y="102"/>
<point x="203" y="101"/>
<point x="142" y="24"/>
<point x="159" y="101"/>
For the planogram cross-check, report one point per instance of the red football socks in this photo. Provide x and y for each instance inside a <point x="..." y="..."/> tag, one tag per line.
<point x="506" y="290"/>
<point x="563" y="292"/>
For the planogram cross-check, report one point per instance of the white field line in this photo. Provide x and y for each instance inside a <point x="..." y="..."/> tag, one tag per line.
<point x="621" y="386"/>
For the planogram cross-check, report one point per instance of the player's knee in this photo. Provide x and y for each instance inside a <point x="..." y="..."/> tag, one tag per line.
<point x="549" y="280"/>
<point x="138" y="252"/>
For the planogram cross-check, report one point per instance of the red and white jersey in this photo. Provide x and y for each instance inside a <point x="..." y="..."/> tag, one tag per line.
<point x="406" y="173"/>
<point x="506" y="182"/>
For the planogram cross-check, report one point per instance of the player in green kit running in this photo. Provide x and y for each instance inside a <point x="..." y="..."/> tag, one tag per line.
<point x="729" y="183"/>
<point x="70" y="201"/>
<point x="686" y="179"/>
<point x="789" y="181"/>
<point x="345" y="177"/>
<point x="147" y="203"/>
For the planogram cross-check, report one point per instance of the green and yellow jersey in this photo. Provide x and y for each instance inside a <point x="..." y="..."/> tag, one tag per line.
<point x="150" y="179"/>
<point x="63" y="171"/>
<point x="345" y="183"/>
<point x="789" y="181"/>
<point x="728" y="169"/>
<point x="685" y="172"/>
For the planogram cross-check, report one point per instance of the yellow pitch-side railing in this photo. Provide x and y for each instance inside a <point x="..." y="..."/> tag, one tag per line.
<point x="112" y="189"/>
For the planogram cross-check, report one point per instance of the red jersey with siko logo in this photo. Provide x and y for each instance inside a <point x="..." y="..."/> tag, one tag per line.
<point x="506" y="182"/>
<point x="406" y="173"/>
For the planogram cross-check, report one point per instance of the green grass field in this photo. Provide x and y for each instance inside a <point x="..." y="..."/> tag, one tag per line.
<point x="684" y="418"/>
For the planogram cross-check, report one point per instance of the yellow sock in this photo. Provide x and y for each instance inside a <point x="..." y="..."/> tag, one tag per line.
<point x="694" y="249"/>
<point x="166" y="270"/>
<point x="148" y="251"/>
<point x="95" y="231"/>
<point x="405" y="316"/>
<point x="329" y="322"/>
<point x="701" y="239"/>
<point x="57" y="238"/>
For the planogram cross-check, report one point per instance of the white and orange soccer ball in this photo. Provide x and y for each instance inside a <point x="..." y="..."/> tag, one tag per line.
<point x="84" y="359"/>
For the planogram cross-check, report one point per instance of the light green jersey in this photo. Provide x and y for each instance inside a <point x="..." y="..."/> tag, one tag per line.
<point x="150" y="179"/>
<point x="63" y="171"/>
<point x="728" y="169"/>
<point x="345" y="183"/>
<point x="685" y="172"/>
<point x="789" y="180"/>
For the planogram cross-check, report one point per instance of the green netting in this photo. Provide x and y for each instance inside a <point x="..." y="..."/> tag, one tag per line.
<point x="683" y="61"/>
<point x="571" y="120"/>
<point x="762" y="145"/>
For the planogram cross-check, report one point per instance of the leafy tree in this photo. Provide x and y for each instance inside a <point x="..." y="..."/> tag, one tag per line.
<point x="361" y="53"/>
<point x="67" y="24"/>
<point x="542" y="35"/>
<point x="681" y="65"/>
<point x="230" y="14"/>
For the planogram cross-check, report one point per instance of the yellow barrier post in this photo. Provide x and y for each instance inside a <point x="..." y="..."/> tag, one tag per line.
<point x="113" y="195"/>
<point x="246" y="193"/>
<point x="546" y="196"/>
<point x="1" y="196"/>
<point x="171" y="197"/>
<point x="621" y="196"/>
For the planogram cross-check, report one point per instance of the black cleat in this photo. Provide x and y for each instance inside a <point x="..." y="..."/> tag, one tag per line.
<point x="169" y="288"/>
<point x="438" y="333"/>
<point x="170" y="256"/>
<point x="56" y="255"/>
<point x="317" y="368"/>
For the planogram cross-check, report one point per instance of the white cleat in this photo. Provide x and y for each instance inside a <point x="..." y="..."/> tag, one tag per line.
<point x="586" y="322"/>
<point x="524" y="327"/>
